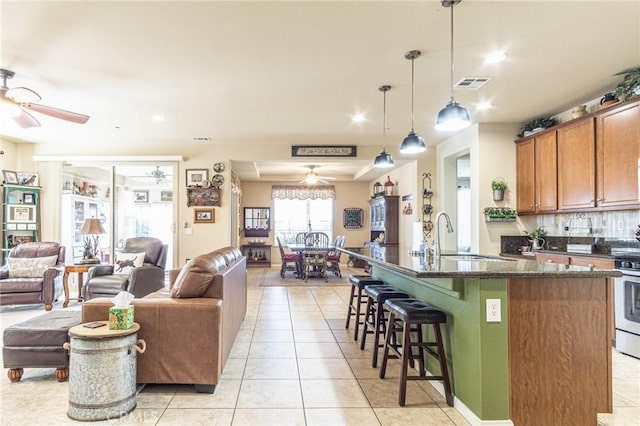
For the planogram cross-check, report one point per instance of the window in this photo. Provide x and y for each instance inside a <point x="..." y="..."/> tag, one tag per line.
<point x="294" y="216"/>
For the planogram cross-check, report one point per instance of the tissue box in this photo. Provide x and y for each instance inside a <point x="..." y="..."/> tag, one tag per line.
<point x="121" y="318"/>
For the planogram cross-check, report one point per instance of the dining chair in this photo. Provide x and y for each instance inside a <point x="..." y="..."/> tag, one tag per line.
<point x="315" y="263"/>
<point x="333" y="257"/>
<point x="300" y="237"/>
<point x="290" y="261"/>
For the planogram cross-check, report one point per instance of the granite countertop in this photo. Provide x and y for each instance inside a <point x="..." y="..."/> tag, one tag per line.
<point x="532" y="254"/>
<point x="401" y="259"/>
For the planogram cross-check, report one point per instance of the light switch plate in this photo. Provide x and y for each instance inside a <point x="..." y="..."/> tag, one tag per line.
<point x="188" y="231"/>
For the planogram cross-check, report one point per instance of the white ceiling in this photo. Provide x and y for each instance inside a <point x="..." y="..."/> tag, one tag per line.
<point x="294" y="72"/>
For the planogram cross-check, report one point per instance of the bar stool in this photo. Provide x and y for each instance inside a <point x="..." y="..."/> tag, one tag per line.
<point x="355" y="300"/>
<point x="374" y="320"/>
<point x="408" y="316"/>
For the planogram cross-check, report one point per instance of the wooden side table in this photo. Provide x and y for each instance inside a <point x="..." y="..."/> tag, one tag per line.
<point x="80" y="270"/>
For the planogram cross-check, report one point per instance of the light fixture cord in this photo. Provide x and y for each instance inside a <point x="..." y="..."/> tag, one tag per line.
<point x="384" y="120"/>
<point x="452" y="5"/>
<point x="412" y="72"/>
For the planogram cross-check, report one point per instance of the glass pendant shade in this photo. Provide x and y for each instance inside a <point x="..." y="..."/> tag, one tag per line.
<point x="383" y="160"/>
<point x="453" y="117"/>
<point x="412" y="144"/>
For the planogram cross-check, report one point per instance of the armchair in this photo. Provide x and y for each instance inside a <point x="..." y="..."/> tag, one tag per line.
<point x="33" y="274"/>
<point x="108" y="280"/>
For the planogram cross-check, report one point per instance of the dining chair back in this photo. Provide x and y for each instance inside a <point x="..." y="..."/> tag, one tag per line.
<point x="316" y="239"/>
<point x="290" y="260"/>
<point x="333" y="257"/>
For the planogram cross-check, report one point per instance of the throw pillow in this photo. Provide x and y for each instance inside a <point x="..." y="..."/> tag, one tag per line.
<point x="126" y="262"/>
<point x="194" y="278"/>
<point x="30" y="267"/>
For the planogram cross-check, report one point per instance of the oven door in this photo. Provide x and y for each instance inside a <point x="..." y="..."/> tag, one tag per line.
<point x="627" y="306"/>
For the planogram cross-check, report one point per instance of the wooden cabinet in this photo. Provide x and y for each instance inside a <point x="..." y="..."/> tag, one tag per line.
<point x="618" y="149"/>
<point x="21" y="216"/>
<point x="577" y="167"/>
<point x="384" y="221"/>
<point x="586" y="163"/>
<point x="570" y="259"/>
<point x="536" y="167"/>
<point x="257" y="255"/>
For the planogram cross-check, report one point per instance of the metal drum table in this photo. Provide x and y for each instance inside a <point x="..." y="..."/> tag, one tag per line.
<point x="102" y="371"/>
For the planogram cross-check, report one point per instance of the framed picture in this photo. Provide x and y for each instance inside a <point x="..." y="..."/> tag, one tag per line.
<point x="28" y="198"/>
<point x="166" y="196"/>
<point x="22" y="213"/>
<point x="203" y="216"/>
<point x="197" y="177"/>
<point x="141" y="196"/>
<point x="352" y="218"/>
<point x="28" y="178"/>
<point x="203" y="197"/>
<point x="10" y="177"/>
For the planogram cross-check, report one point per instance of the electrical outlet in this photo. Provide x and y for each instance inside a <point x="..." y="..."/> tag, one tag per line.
<point x="493" y="310"/>
<point x="621" y="225"/>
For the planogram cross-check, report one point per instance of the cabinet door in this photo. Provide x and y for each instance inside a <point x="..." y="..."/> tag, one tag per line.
<point x="618" y="149"/>
<point x="560" y="259"/>
<point x="576" y="165"/>
<point x="525" y="174"/>
<point x="593" y="262"/>
<point x="546" y="172"/>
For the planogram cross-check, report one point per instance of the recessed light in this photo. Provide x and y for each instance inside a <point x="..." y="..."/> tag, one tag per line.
<point x="484" y="105"/>
<point x="358" y="117"/>
<point x="495" y="57"/>
<point x="157" y="117"/>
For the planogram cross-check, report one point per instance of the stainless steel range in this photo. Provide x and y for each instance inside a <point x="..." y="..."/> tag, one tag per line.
<point x="627" y="303"/>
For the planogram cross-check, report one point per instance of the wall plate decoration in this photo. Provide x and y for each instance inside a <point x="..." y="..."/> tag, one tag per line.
<point x="203" y="197"/>
<point x="217" y="180"/>
<point x="352" y="218"/>
<point x="218" y="167"/>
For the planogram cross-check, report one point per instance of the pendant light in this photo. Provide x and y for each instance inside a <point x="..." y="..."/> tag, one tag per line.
<point x="453" y="116"/>
<point x="384" y="159"/>
<point x="413" y="143"/>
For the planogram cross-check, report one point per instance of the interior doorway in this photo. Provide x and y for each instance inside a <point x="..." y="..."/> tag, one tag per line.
<point x="463" y="203"/>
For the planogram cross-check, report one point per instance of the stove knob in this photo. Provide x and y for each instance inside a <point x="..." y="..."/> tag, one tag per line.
<point x="625" y="264"/>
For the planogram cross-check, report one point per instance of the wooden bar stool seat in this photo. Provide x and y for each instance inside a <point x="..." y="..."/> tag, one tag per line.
<point x="375" y="320"/>
<point x="358" y="282"/>
<point x="407" y="316"/>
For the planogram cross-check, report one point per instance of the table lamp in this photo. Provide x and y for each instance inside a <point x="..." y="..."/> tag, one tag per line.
<point x="91" y="229"/>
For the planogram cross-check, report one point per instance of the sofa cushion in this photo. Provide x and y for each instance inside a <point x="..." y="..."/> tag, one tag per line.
<point x="126" y="262"/>
<point x="30" y="267"/>
<point x="194" y="277"/>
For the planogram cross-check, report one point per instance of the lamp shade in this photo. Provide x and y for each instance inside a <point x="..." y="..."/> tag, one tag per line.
<point x="92" y="227"/>
<point x="453" y="117"/>
<point x="412" y="144"/>
<point x="383" y="160"/>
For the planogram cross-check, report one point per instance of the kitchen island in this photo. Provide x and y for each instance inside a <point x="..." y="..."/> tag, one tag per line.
<point x="547" y="361"/>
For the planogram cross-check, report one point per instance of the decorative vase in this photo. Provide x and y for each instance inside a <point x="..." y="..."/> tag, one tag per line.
<point x="498" y="194"/>
<point x="538" y="244"/>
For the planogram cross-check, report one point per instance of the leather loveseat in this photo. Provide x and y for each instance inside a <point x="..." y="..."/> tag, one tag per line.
<point x="189" y="329"/>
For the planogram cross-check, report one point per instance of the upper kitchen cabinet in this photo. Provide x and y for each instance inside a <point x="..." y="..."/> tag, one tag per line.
<point x="577" y="170"/>
<point x="536" y="168"/>
<point x="618" y="150"/>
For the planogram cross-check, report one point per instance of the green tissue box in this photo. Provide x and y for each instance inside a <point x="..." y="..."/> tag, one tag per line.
<point x="121" y="318"/>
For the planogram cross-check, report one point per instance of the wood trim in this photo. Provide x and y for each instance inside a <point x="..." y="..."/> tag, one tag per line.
<point x="559" y="350"/>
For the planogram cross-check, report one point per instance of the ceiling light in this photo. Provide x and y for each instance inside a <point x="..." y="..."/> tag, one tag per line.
<point x="495" y="57"/>
<point x="384" y="159"/>
<point x="311" y="178"/>
<point x="159" y="118"/>
<point x="413" y="143"/>
<point x="481" y="106"/>
<point x="358" y="118"/>
<point x="453" y="116"/>
<point x="157" y="174"/>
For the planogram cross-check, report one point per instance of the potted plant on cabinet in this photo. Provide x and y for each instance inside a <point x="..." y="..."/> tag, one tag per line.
<point x="499" y="186"/>
<point x="630" y="84"/>
<point x="536" y="125"/>
<point x="536" y="238"/>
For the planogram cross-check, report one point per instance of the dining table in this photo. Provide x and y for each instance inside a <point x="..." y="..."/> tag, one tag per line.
<point x="306" y="250"/>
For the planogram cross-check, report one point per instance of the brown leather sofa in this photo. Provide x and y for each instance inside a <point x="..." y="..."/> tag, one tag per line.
<point x="190" y="329"/>
<point x="41" y="289"/>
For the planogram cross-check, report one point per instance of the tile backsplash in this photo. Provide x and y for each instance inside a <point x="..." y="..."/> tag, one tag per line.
<point x="615" y="224"/>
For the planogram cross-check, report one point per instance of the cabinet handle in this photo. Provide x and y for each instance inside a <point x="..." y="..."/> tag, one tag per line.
<point x="550" y="261"/>
<point x="600" y="200"/>
<point x="532" y="206"/>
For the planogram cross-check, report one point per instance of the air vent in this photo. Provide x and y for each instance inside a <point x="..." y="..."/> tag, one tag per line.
<point x="201" y="138"/>
<point x="471" y="83"/>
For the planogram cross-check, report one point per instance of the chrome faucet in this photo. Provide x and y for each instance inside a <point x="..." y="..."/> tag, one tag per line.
<point x="436" y="240"/>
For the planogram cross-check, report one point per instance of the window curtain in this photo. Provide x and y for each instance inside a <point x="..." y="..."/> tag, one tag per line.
<point x="301" y="192"/>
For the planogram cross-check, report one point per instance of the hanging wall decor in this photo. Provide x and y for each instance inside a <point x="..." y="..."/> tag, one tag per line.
<point x="353" y="218"/>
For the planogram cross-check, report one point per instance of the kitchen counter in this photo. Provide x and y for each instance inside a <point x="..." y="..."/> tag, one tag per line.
<point x="545" y="361"/>
<point x="402" y="260"/>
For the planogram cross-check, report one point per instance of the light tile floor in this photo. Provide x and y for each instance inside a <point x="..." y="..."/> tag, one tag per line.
<point x="293" y="363"/>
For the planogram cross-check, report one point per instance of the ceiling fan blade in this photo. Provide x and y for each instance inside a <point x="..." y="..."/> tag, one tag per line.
<point x="22" y="94"/>
<point x="326" y="177"/>
<point x="56" y="112"/>
<point x="26" y="120"/>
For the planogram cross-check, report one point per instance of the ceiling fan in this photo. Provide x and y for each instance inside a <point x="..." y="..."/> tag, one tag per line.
<point x="22" y="100"/>
<point x="312" y="178"/>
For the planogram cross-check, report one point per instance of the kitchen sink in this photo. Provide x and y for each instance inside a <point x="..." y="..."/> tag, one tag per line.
<point x="475" y="258"/>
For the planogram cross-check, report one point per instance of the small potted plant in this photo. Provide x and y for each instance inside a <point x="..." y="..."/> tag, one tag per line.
<point x="630" y="84"/>
<point x="499" y="214"/>
<point x="499" y="186"/>
<point x="536" y="238"/>
<point x="536" y="125"/>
